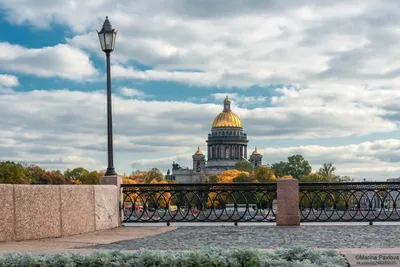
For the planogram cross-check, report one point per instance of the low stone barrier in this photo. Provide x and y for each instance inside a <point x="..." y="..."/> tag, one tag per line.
<point x="40" y="211"/>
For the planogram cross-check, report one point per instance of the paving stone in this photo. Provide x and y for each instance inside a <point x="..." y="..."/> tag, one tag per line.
<point x="192" y="237"/>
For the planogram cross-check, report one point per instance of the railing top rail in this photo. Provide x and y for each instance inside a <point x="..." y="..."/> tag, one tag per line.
<point x="202" y="186"/>
<point x="349" y="185"/>
<point x="199" y="184"/>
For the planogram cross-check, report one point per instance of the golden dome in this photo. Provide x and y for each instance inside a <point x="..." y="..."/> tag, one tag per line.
<point x="198" y="152"/>
<point x="227" y="118"/>
<point x="256" y="152"/>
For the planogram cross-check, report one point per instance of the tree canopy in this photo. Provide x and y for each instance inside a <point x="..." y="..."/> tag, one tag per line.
<point x="244" y="166"/>
<point x="296" y="166"/>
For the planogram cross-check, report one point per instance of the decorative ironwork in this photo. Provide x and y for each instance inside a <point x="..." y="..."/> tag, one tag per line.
<point x="355" y="201"/>
<point x="227" y="202"/>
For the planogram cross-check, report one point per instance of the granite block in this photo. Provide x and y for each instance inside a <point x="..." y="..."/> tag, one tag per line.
<point x="111" y="180"/>
<point x="288" y="220"/>
<point x="117" y="181"/>
<point x="106" y="207"/>
<point x="37" y="211"/>
<point x="6" y="213"/>
<point x="288" y="202"/>
<point x="77" y="209"/>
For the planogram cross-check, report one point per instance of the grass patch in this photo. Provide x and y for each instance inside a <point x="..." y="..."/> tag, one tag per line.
<point x="215" y="257"/>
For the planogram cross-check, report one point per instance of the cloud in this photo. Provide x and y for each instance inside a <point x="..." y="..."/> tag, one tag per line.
<point x="376" y="160"/>
<point x="256" y="44"/>
<point x="61" y="124"/>
<point x="240" y="100"/>
<point x="8" y="80"/>
<point x="131" y="92"/>
<point x="237" y="45"/>
<point x="192" y="78"/>
<point x="62" y="61"/>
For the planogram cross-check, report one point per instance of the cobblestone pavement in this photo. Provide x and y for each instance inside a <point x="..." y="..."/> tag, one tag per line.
<point x="196" y="237"/>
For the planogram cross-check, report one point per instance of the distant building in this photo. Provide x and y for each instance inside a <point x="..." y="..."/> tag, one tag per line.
<point x="226" y="145"/>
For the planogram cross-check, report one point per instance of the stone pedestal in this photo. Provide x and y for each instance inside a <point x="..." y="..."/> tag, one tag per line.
<point x="117" y="181"/>
<point x="288" y="202"/>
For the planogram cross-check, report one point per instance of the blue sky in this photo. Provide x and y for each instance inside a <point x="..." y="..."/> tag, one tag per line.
<point x="317" y="78"/>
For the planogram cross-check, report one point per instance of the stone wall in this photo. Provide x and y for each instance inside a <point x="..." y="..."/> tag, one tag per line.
<point x="40" y="211"/>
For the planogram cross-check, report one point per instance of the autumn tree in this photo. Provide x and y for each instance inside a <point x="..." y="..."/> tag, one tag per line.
<point x="228" y="175"/>
<point x="138" y="176"/>
<point x="53" y="177"/>
<point x="92" y="177"/>
<point x="243" y="177"/>
<point x="213" y="178"/>
<point x="76" y="174"/>
<point x="153" y="174"/>
<point x="280" y="168"/>
<point x="264" y="174"/>
<point x="12" y="173"/>
<point x="244" y="165"/>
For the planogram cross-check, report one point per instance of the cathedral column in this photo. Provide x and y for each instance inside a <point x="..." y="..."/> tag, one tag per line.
<point x="245" y="151"/>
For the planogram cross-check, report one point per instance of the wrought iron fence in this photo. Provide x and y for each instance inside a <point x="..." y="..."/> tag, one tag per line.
<point x="225" y="202"/>
<point x="355" y="201"/>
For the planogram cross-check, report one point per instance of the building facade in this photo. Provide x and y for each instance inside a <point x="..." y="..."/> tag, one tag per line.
<point x="226" y="145"/>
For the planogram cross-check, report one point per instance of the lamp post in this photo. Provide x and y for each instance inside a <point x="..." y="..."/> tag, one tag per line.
<point x="107" y="36"/>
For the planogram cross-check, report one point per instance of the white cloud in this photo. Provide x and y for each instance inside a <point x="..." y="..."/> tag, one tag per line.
<point x="61" y="60"/>
<point x="257" y="44"/>
<point x="240" y="100"/>
<point x="8" y="80"/>
<point x="62" y="124"/>
<point x="240" y="44"/>
<point x="192" y="78"/>
<point x="376" y="160"/>
<point x="131" y="92"/>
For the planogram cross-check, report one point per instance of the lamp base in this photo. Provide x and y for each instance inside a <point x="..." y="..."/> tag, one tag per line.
<point x="110" y="171"/>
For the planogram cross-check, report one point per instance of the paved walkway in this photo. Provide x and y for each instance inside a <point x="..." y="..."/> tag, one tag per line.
<point x="74" y="243"/>
<point x="271" y="237"/>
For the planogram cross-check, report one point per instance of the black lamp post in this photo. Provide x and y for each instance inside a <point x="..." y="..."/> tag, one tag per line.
<point x="107" y="37"/>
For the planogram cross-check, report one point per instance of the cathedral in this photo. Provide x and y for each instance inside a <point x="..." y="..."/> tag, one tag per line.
<point x="226" y="145"/>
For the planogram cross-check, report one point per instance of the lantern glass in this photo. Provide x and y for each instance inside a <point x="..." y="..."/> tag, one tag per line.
<point x="107" y="40"/>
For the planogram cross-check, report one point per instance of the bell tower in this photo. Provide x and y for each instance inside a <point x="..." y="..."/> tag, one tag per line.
<point x="199" y="161"/>
<point x="256" y="158"/>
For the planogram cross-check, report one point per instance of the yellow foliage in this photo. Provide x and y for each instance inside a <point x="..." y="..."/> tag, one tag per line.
<point x="287" y="177"/>
<point x="138" y="177"/>
<point x="228" y="175"/>
<point x="212" y="200"/>
<point x="128" y="181"/>
<point x="76" y="181"/>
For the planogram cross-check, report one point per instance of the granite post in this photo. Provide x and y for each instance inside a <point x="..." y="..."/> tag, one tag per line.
<point x="288" y="202"/>
<point x="117" y="181"/>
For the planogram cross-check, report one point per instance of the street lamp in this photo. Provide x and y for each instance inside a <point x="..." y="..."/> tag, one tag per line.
<point x="107" y="36"/>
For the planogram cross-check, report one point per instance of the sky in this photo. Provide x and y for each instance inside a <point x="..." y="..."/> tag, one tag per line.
<point x="316" y="78"/>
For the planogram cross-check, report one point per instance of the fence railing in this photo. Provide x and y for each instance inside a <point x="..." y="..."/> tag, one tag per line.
<point x="355" y="201"/>
<point x="224" y="202"/>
